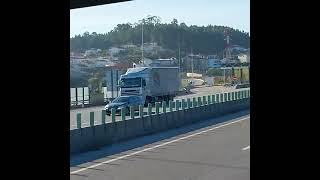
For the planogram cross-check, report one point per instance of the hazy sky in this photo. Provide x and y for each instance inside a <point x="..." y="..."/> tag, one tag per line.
<point x="102" y="19"/>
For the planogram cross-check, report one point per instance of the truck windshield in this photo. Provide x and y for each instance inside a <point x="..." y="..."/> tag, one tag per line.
<point x="130" y="82"/>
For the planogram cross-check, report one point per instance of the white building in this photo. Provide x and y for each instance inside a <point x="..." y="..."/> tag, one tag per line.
<point x="157" y="62"/>
<point x="114" y="50"/>
<point x="244" y="58"/>
<point x="128" y="46"/>
<point x="92" y="52"/>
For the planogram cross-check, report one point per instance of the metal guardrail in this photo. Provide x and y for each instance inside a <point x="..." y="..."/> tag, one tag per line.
<point x="177" y="105"/>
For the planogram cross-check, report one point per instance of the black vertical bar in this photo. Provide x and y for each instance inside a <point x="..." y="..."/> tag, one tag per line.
<point x="117" y="76"/>
<point x="249" y="74"/>
<point x="232" y="75"/>
<point x="111" y="83"/>
<point x="88" y="95"/>
<point x="225" y="76"/>
<point x="76" y="96"/>
<point x="241" y="75"/>
<point x="83" y="95"/>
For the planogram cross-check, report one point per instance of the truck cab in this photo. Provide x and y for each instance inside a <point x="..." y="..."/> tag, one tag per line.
<point x="152" y="84"/>
<point x="133" y="82"/>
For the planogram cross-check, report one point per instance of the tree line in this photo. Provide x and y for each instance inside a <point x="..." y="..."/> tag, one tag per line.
<point x="200" y="39"/>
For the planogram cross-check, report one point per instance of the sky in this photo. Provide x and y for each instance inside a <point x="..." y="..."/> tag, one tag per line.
<point x="103" y="18"/>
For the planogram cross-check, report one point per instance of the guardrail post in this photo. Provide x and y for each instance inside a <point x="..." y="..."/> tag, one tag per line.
<point x="204" y="100"/>
<point x="209" y="99"/>
<point x="225" y="97"/>
<point x="188" y="103"/>
<point x="157" y="107"/>
<point x="177" y="105"/>
<point x="123" y="114"/>
<point x="218" y="98"/>
<point x="103" y="116"/>
<point x="183" y="104"/>
<point x="149" y="109"/>
<point x="164" y="107"/>
<point x="232" y="96"/>
<point x="91" y="118"/>
<point x="141" y="110"/>
<point x="79" y="120"/>
<point x="170" y="106"/>
<point x="194" y="102"/>
<point x="213" y="99"/>
<point x="229" y="96"/>
<point x="221" y="97"/>
<point x="132" y="112"/>
<point x="113" y="115"/>
<point x="199" y="101"/>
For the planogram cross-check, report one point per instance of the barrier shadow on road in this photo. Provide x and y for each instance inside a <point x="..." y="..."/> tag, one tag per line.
<point x="104" y="152"/>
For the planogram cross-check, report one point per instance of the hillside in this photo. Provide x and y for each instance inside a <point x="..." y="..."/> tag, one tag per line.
<point x="201" y="39"/>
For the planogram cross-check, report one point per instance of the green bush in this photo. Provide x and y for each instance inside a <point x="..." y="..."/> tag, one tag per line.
<point x="214" y="72"/>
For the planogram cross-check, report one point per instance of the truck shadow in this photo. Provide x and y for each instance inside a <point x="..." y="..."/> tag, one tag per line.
<point x="104" y="152"/>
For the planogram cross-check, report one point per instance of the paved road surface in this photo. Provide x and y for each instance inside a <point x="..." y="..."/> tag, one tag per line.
<point x="199" y="91"/>
<point x="220" y="151"/>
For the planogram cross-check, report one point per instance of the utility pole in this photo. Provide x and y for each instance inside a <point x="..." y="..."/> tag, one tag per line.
<point x="179" y="59"/>
<point x="191" y="63"/>
<point x="142" y="41"/>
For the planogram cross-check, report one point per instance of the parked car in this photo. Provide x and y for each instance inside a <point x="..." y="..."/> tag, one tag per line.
<point x="123" y="102"/>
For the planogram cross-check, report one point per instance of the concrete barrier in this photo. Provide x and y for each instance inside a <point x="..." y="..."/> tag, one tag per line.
<point x="146" y="123"/>
<point x="119" y="132"/>
<point x="158" y="122"/>
<point x="180" y="120"/>
<point x="194" y="116"/>
<point x="170" y="120"/>
<point x="89" y="138"/>
<point x="99" y="136"/>
<point x="76" y="145"/>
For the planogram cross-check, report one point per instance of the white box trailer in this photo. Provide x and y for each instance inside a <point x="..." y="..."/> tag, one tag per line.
<point x="151" y="83"/>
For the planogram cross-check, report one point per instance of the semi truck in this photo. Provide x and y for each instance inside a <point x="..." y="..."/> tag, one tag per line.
<point x="152" y="84"/>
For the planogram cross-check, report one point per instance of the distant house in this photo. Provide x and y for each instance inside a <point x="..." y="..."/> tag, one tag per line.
<point x="128" y="46"/>
<point x="160" y="62"/>
<point x="114" y="50"/>
<point x="157" y="62"/>
<point x="91" y="52"/>
<point x="244" y="57"/>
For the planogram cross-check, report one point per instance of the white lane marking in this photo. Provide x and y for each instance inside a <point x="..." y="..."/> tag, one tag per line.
<point x="150" y="148"/>
<point x="248" y="147"/>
